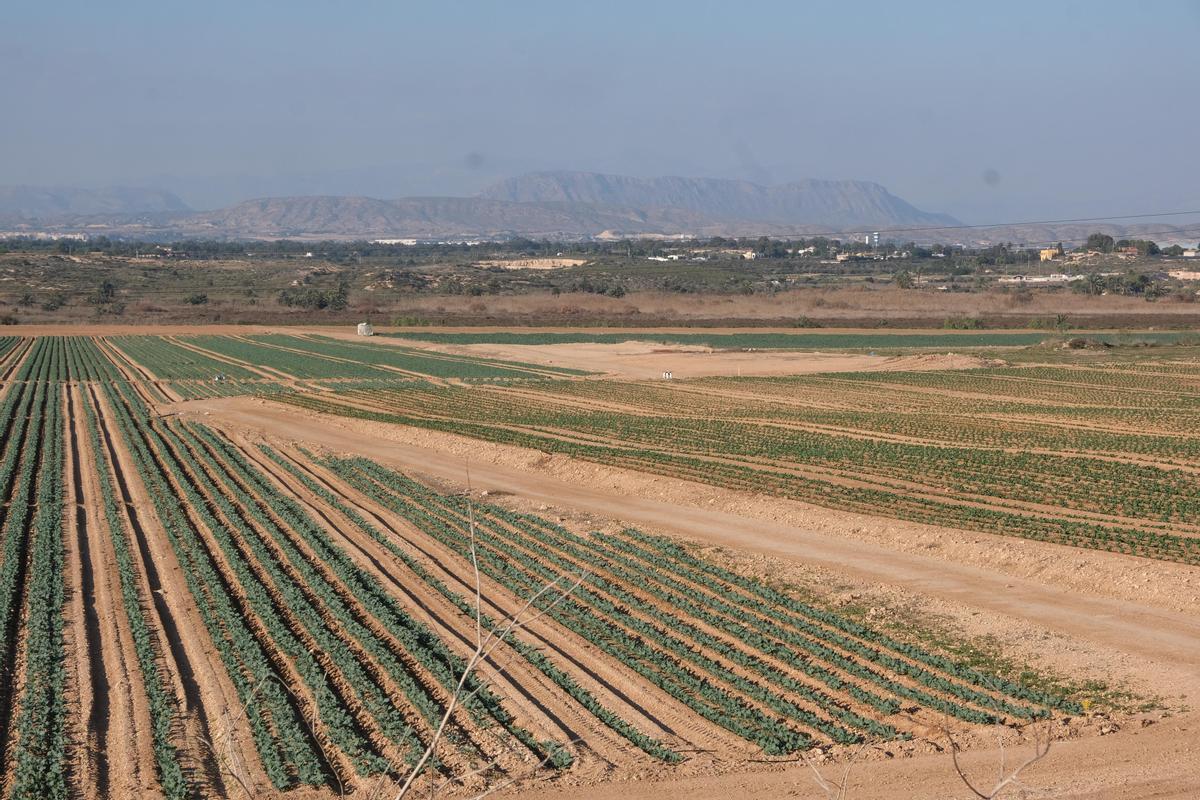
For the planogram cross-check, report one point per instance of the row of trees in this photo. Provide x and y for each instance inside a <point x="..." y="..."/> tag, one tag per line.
<point x="350" y="252"/>
<point x="1104" y="243"/>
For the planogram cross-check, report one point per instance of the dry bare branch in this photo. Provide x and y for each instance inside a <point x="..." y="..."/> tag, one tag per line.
<point x="1006" y="779"/>
<point x="484" y="647"/>
<point x="835" y="790"/>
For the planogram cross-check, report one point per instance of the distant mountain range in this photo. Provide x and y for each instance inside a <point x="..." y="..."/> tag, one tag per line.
<point x="431" y="218"/>
<point x="543" y="204"/>
<point x="809" y="202"/>
<point x="566" y="205"/>
<point x="49" y="203"/>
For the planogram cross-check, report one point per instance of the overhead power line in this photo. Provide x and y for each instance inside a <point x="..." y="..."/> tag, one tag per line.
<point x="1194" y="229"/>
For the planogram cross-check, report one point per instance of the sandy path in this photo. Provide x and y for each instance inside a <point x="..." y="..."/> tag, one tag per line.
<point x="1161" y="762"/>
<point x="1167" y="637"/>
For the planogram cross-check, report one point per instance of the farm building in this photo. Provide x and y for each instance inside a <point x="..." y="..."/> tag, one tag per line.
<point x="365" y="329"/>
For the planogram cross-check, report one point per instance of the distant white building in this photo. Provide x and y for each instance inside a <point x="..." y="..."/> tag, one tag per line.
<point x="365" y="329"/>
<point x="1056" y="278"/>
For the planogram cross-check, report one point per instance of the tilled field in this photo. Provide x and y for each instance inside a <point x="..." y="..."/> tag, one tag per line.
<point x="189" y="610"/>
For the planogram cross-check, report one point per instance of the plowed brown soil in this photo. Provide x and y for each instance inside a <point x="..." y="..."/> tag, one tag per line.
<point x="216" y="742"/>
<point x="113" y="715"/>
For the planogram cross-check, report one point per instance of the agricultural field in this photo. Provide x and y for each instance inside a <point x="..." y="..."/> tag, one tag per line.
<point x="990" y="451"/>
<point x="240" y="562"/>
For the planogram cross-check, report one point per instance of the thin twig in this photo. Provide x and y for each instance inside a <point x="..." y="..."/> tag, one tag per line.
<point x="484" y="647"/>
<point x="1006" y="779"/>
<point x="835" y="791"/>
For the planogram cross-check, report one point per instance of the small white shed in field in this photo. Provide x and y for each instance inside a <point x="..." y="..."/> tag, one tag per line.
<point x="365" y="329"/>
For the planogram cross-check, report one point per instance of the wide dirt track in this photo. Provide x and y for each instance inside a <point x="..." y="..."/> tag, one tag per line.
<point x="210" y="542"/>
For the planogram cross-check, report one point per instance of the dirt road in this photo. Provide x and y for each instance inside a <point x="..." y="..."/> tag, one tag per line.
<point x="1161" y="762"/>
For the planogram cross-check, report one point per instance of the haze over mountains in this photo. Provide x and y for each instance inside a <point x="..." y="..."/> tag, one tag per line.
<point x="809" y="202"/>
<point x="39" y="202"/>
<point x="551" y="204"/>
<point x="558" y="204"/>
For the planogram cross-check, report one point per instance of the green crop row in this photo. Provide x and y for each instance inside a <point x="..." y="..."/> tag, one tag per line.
<point x="531" y="653"/>
<point x="602" y="556"/>
<point x="417" y="640"/>
<point x="635" y="644"/>
<point x="163" y="710"/>
<point x="287" y="751"/>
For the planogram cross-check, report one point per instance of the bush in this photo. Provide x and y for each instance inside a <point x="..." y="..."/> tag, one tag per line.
<point x="312" y="299"/>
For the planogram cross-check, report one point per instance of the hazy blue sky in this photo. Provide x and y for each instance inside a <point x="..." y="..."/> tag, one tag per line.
<point x="1071" y="108"/>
